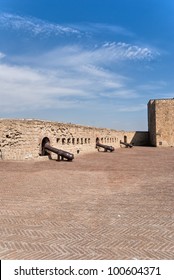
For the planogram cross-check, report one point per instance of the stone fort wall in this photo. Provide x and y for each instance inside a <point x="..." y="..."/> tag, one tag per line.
<point x="22" y="139"/>
<point x="161" y="122"/>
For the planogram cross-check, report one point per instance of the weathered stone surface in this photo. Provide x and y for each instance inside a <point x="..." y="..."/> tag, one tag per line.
<point x="22" y="139"/>
<point x="161" y="122"/>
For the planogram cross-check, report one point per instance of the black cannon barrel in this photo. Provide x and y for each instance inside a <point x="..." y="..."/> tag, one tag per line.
<point x="128" y="145"/>
<point x="59" y="152"/>
<point x="109" y="148"/>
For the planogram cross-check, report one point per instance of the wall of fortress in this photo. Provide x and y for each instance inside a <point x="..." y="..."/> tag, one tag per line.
<point x="22" y="139"/>
<point x="161" y="122"/>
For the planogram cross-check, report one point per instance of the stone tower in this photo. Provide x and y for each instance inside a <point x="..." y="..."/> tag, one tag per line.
<point x="161" y="122"/>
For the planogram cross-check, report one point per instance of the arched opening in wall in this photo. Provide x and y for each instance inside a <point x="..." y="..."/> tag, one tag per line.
<point x="125" y="139"/>
<point x="45" y="140"/>
<point x="97" y="140"/>
<point x="63" y="141"/>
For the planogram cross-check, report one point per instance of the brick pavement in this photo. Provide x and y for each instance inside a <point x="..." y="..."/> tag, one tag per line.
<point x="116" y="205"/>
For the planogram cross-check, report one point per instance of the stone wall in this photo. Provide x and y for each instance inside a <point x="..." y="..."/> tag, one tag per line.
<point x="161" y="122"/>
<point x="22" y="139"/>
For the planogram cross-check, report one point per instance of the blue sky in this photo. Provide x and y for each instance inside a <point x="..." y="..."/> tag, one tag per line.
<point x="90" y="62"/>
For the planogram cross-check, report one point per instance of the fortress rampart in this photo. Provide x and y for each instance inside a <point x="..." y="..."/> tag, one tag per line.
<point x="23" y="139"/>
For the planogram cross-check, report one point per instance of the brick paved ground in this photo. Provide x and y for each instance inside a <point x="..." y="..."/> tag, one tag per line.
<point x="116" y="205"/>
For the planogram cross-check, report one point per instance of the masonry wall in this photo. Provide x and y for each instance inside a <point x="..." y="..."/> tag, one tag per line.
<point x="22" y="139"/>
<point x="165" y="122"/>
<point x="161" y="122"/>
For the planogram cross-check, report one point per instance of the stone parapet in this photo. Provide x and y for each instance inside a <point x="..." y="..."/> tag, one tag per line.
<point x="23" y="138"/>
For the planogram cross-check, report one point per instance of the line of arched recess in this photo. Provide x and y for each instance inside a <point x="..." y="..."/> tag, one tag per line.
<point x="73" y="141"/>
<point x="82" y="141"/>
<point x="107" y="139"/>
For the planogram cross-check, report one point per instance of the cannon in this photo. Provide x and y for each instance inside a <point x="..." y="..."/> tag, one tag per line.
<point x="127" y="145"/>
<point x="60" y="153"/>
<point x="105" y="147"/>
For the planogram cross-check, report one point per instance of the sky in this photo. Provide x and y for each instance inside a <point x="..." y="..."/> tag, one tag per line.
<point x="88" y="62"/>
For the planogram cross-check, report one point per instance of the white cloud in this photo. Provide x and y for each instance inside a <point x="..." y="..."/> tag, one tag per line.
<point x="25" y="86"/>
<point x="111" y="51"/>
<point x="135" y="108"/>
<point x="66" y="77"/>
<point x="121" y="93"/>
<point x="123" y="51"/>
<point x="34" y="25"/>
<point x="93" y="28"/>
<point x="2" y="55"/>
<point x="108" y="54"/>
<point x="67" y="85"/>
<point x="153" y="86"/>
